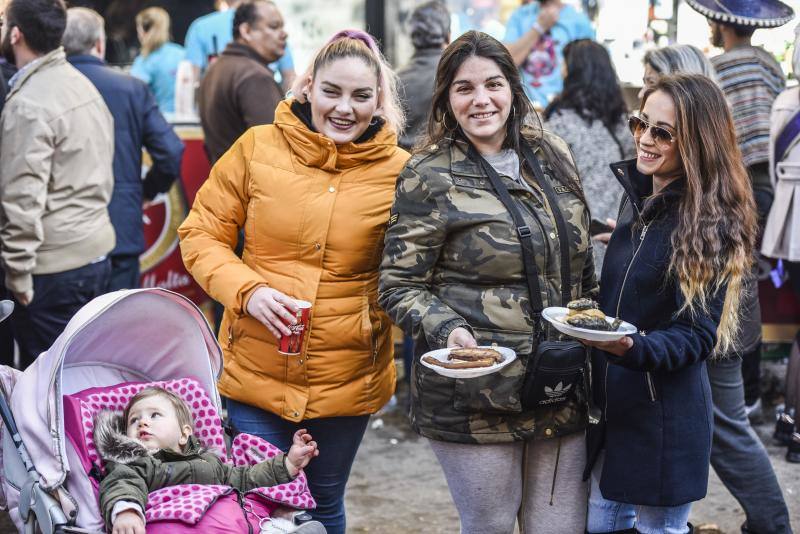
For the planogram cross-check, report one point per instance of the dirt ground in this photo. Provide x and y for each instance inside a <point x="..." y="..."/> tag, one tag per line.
<point x="397" y="486"/>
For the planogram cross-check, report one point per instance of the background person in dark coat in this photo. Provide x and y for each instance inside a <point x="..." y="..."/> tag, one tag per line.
<point x="429" y="26"/>
<point x="674" y="268"/>
<point x="137" y="123"/>
<point x="239" y="90"/>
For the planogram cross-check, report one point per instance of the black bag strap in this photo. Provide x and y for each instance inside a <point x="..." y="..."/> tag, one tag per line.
<point x="561" y="224"/>
<point x="524" y="231"/>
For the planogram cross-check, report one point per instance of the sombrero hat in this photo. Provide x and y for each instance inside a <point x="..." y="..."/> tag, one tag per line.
<point x="758" y="13"/>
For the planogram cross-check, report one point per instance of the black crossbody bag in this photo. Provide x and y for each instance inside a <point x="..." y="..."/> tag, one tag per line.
<point x="557" y="372"/>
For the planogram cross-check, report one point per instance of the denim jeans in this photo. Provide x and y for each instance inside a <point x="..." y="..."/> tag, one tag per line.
<point x="338" y="439"/>
<point x="56" y="298"/>
<point x="608" y="516"/>
<point x="737" y="455"/>
<point x="124" y="272"/>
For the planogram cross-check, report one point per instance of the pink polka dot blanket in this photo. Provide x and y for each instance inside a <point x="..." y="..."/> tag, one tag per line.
<point x="186" y="503"/>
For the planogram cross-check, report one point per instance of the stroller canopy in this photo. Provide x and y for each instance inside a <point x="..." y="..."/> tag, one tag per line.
<point x="142" y="335"/>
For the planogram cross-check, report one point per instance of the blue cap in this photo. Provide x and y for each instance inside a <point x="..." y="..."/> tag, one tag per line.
<point x="757" y="13"/>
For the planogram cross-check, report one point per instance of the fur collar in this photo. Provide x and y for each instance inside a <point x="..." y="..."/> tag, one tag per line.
<point x="113" y="445"/>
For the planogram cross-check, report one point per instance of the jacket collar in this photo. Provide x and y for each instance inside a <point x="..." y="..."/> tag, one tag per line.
<point x="191" y="450"/>
<point x="235" y="49"/>
<point x="462" y="165"/>
<point x="85" y="59"/>
<point x="460" y="162"/>
<point x="315" y="150"/>
<point x="44" y="62"/>
<point x="639" y="188"/>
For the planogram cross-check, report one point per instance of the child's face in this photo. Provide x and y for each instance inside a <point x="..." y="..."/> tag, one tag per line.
<point x="153" y="421"/>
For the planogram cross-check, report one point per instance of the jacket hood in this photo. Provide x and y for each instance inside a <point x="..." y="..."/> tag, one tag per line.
<point x="315" y="150"/>
<point x="113" y="445"/>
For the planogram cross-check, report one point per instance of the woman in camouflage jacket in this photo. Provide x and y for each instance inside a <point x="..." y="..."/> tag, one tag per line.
<point x="453" y="275"/>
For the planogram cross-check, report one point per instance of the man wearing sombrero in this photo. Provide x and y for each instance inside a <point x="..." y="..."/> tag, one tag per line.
<point x="751" y="80"/>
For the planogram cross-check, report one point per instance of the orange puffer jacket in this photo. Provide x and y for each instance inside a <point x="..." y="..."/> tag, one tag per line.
<point x="314" y="216"/>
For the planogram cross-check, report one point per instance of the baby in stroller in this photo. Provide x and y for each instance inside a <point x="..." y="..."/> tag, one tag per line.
<point x="152" y="446"/>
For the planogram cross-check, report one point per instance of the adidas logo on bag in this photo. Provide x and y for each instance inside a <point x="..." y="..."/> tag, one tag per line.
<point x="556" y="394"/>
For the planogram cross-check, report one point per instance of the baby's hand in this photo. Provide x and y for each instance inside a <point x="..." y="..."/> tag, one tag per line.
<point x="128" y="522"/>
<point x="300" y="453"/>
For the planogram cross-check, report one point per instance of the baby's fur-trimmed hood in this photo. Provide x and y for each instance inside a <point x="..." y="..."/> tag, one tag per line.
<point x="112" y="442"/>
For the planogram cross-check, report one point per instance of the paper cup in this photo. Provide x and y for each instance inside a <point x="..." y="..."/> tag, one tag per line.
<point x="293" y="344"/>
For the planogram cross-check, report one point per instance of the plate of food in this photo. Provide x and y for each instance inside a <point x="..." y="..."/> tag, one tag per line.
<point x="583" y="319"/>
<point x="460" y="362"/>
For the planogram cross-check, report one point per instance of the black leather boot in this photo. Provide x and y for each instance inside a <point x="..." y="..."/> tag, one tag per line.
<point x="784" y="428"/>
<point x="793" y="454"/>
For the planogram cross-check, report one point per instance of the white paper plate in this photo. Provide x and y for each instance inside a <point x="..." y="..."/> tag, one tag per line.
<point x="555" y="315"/>
<point x="508" y="356"/>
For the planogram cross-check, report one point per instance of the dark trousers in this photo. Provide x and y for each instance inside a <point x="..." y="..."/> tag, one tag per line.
<point x="56" y="298"/>
<point x="338" y="439"/>
<point x="751" y="373"/>
<point x="737" y="455"/>
<point x="124" y="272"/>
<point x="6" y="336"/>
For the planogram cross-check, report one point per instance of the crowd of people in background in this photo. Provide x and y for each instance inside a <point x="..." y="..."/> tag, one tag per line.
<point x="455" y="197"/>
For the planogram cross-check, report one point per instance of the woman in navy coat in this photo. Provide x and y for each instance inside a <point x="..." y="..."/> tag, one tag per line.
<point x="674" y="268"/>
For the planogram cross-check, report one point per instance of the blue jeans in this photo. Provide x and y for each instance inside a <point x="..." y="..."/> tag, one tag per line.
<point x="338" y="439"/>
<point x="737" y="455"/>
<point x="608" y="516"/>
<point x="124" y="272"/>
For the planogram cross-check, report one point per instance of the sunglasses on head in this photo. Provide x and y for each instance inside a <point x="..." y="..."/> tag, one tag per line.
<point x="639" y="126"/>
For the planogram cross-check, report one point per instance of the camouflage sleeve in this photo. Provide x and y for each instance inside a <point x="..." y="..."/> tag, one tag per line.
<point x="415" y="236"/>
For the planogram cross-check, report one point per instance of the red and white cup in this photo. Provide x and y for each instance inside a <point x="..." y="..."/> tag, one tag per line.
<point x="292" y="344"/>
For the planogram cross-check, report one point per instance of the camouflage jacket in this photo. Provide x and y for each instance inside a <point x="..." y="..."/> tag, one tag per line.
<point x="452" y="258"/>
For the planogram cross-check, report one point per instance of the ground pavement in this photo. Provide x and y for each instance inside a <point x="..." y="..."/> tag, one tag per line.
<point x="397" y="486"/>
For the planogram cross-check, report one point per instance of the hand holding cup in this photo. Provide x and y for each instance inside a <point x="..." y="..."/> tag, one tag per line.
<point x="274" y="310"/>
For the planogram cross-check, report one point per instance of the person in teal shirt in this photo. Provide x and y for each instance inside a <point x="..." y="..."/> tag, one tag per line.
<point x="208" y="36"/>
<point x="536" y="35"/>
<point x="157" y="65"/>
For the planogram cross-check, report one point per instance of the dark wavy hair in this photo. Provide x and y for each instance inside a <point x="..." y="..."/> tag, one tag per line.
<point x="591" y="87"/>
<point x="523" y="124"/>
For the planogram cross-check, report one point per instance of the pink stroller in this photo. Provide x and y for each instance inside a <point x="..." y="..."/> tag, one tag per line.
<point x="113" y="347"/>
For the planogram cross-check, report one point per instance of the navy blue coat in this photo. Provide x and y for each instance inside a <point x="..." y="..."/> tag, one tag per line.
<point x="656" y="400"/>
<point x="137" y="123"/>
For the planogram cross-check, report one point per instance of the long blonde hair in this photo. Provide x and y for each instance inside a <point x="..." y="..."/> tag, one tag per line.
<point x="359" y="44"/>
<point x="716" y="231"/>
<point x="154" y="22"/>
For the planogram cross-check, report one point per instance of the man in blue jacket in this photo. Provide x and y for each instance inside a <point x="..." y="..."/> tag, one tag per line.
<point x="137" y="123"/>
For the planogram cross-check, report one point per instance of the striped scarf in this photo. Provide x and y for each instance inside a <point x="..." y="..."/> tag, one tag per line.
<point x="751" y="79"/>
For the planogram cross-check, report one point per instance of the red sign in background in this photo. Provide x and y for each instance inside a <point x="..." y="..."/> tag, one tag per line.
<point x="161" y="263"/>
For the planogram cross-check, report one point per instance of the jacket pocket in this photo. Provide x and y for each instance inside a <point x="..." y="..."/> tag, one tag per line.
<point x="497" y="392"/>
<point x="371" y="326"/>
